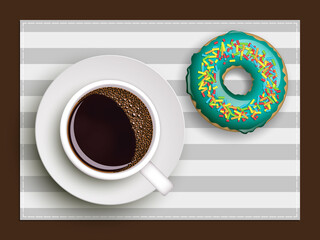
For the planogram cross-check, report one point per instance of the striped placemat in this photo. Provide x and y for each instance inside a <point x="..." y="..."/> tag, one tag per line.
<point x="221" y="175"/>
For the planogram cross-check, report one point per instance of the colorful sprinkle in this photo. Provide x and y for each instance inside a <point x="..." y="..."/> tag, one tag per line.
<point x="265" y="66"/>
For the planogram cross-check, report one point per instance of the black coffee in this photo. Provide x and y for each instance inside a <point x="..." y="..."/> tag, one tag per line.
<point x="110" y="129"/>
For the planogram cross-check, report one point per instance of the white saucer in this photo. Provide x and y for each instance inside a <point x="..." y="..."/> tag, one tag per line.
<point x="58" y="94"/>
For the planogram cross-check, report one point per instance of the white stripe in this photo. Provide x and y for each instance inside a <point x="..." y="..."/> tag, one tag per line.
<point x="172" y="200"/>
<point x="291" y="104"/>
<point x="216" y="136"/>
<point x="31" y="104"/>
<point x="167" y="71"/>
<point x="203" y="168"/>
<point x="142" y="39"/>
<point x="236" y="168"/>
<point x="41" y="71"/>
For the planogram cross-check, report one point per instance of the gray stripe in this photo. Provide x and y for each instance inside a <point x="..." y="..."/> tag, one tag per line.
<point x="152" y="26"/>
<point x="146" y="55"/>
<point x="194" y="120"/>
<point x="192" y="184"/>
<point x="248" y="152"/>
<point x="39" y="184"/>
<point x="38" y="87"/>
<point x="235" y="184"/>
<point x="212" y="152"/>
<point x="160" y="213"/>
<point x="29" y="152"/>
<point x="29" y="119"/>
<point x="34" y="87"/>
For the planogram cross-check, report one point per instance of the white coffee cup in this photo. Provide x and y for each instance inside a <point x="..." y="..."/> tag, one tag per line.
<point x="144" y="166"/>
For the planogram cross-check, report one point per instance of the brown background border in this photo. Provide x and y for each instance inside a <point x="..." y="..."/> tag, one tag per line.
<point x="12" y="12"/>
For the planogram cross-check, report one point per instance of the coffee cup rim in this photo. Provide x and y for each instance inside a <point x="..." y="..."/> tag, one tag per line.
<point x="67" y="145"/>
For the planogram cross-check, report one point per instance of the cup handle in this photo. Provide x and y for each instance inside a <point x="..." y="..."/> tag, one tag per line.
<point x="156" y="178"/>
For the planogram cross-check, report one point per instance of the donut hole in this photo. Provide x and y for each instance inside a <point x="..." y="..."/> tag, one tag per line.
<point x="237" y="80"/>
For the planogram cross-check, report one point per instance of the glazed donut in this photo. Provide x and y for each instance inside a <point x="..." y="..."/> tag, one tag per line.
<point x="213" y="100"/>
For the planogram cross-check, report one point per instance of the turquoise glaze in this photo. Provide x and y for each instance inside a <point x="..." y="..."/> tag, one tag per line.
<point x="243" y="113"/>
